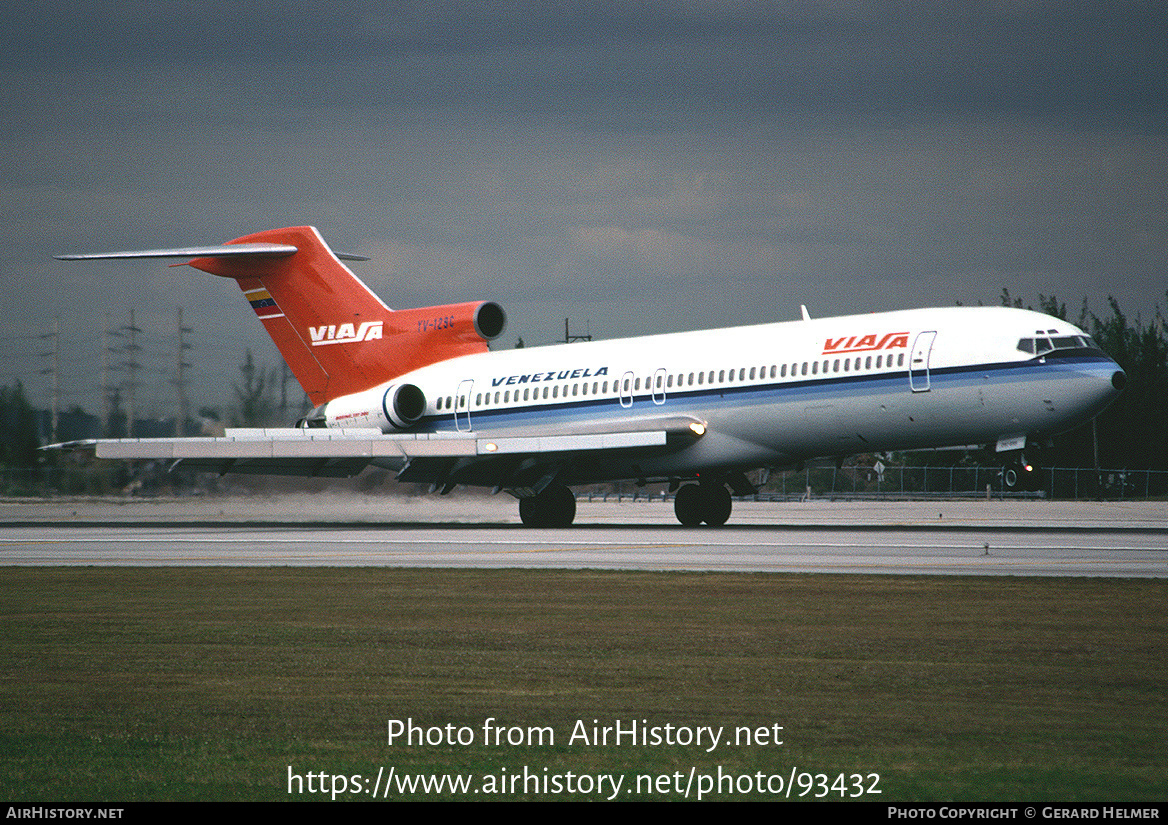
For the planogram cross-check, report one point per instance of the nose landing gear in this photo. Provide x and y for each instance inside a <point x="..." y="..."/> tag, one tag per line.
<point x="1021" y="475"/>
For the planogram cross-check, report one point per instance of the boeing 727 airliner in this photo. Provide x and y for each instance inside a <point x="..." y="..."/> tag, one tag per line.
<point x="418" y="391"/>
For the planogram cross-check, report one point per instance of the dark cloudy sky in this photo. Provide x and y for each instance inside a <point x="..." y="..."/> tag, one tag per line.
<point x="638" y="166"/>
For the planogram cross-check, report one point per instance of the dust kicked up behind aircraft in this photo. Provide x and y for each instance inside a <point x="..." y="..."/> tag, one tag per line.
<point x="418" y="392"/>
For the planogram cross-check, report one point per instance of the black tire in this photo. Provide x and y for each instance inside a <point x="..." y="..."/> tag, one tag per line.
<point x="554" y="507"/>
<point x="562" y="506"/>
<point x="530" y="512"/>
<point x="687" y="505"/>
<point x="717" y="504"/>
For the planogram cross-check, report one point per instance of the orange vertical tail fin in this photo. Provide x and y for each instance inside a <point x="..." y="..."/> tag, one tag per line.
<point x="337" y="336"/>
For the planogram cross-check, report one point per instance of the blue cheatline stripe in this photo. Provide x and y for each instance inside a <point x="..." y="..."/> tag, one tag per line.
<point x="801" y="391"/>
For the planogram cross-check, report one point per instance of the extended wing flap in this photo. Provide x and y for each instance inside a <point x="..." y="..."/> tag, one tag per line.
<point x="570" y="443"/>
<point x="344" y="452"/>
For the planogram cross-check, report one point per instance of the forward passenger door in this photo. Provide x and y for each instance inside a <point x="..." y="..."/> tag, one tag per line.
<point x="918" y="363"/>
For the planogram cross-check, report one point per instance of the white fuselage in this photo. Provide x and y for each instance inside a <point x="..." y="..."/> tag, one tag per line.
<point x="775" y="394"/>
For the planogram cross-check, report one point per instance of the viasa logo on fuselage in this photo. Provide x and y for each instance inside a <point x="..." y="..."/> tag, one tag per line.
<point x="865" y="343"/>
<point x="345" y="333"/>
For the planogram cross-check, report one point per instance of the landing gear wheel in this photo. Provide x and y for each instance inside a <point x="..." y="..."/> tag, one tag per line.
<point x="717" y="504"/>
<point x="554" y="507"/>
<point x="687" y="504"/>
<point x="1021" y="475"/>
<point x="697" y="503"/>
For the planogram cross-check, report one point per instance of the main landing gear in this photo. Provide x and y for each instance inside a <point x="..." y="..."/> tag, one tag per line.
<point x="555" y="506"/>
<point x="705" y="502"/>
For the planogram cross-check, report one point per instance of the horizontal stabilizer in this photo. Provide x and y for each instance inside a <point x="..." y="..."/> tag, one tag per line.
<point x="236" y="250"/>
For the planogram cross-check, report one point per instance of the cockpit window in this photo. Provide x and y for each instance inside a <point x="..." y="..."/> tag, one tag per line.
<point x="1041" y="343"/>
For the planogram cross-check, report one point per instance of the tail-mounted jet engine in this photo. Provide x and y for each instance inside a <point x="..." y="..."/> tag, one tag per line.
<point x="403" y="405"/>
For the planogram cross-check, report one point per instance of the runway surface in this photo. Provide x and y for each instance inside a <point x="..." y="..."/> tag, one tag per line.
<point x="972" y="538"/>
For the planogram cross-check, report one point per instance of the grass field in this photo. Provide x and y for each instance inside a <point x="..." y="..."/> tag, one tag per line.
<point x="163" y="684"/>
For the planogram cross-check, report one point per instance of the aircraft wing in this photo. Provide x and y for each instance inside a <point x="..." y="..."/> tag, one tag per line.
<point x="508" y="459"/>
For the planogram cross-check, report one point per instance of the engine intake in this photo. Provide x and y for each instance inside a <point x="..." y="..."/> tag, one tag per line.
<point x="489" y="320"/>
<point x="403" y="405"/>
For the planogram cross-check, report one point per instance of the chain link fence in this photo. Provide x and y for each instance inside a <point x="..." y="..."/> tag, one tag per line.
<point x="927" y="483"/>
<point x="846" y="483"/>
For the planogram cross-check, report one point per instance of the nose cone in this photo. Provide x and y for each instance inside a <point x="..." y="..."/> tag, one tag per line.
<point x="1107" y="382"/>
<point x="1098" y="384"/>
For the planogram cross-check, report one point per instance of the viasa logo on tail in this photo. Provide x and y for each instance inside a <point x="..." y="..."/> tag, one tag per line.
<point x="865" y="343"/>
<point x="345" y="333"/>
